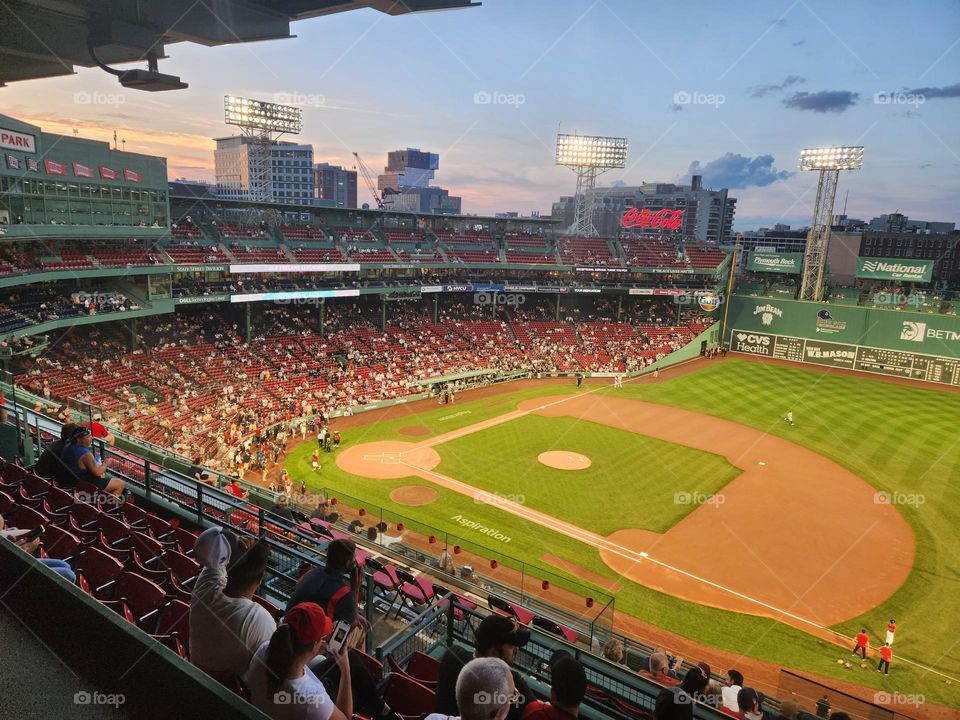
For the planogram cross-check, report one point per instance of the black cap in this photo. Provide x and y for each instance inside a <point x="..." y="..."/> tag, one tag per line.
<point x="497" y="630"/>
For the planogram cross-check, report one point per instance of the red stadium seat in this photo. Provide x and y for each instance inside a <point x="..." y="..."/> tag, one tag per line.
<point x="100" y="570"/>
<point x="408" y="698"/>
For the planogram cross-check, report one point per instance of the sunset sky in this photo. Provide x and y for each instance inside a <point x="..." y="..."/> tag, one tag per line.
<point x="731" y="90"/>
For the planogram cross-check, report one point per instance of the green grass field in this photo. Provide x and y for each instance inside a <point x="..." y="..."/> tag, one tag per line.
<point x="899" y="439"/>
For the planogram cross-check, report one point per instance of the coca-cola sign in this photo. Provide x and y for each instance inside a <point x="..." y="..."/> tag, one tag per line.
<point x="660" y="220"/>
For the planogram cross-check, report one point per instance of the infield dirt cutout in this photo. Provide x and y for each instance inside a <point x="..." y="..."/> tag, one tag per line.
<point x="564" y="460"/>
<point x="414" y="495"/>
<point x="798" y="538"/>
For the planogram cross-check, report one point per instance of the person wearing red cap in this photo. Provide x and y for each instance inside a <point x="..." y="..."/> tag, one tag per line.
<point x="891" y="629"/>
<point x="863" y="640"/>
<point x="280" y="681"/>
<point x="886" y="655"/>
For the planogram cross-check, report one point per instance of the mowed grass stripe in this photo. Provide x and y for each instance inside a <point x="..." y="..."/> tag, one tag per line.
<point x="901" y="439"/>
<point x="633" y="481"/>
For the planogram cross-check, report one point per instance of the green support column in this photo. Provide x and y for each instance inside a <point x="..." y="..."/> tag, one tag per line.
<point x="246" y="307"/>
<point x="133" y="334"/>
<point x="619" y="306"/>
<point x="435" y="302"/>
<point x="323" y="306"/>
<point x="558" y="306"/>
<point x="383" y="313"/>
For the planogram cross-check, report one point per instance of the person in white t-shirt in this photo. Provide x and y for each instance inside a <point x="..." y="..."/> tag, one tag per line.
<point x="730" y="689"/>
<point x="280" y="682"/>
<point x="226" y="625"/>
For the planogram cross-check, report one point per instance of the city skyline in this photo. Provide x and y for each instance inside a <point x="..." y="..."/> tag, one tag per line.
<point x="732" y="94"/>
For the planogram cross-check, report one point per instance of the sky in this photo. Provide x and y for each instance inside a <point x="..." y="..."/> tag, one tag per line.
<point x="732" y="91"/>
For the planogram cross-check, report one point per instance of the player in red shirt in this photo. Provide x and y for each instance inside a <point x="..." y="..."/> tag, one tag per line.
<point x="891" y="629"/>
<point x="863" y="640"/>
<point x="886" y="655"/>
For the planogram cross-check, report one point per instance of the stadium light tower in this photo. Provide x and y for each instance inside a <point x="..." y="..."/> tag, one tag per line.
<point x="589" y="156"/>
<point x="263" y="123"/>
<point x="829" y="161"/>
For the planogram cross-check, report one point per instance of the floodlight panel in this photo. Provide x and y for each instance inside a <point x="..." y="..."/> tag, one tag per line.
<point x="832" y="158"/>
<point x="591" y="151"/>
<point x="260" y="115"/>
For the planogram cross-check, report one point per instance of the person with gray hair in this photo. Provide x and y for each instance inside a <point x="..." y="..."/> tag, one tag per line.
<point x="485" y="691"/>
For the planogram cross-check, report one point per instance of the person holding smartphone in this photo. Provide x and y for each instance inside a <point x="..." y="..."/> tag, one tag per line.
<point x="280" y="680"/>
<point x="335" y="587"/>
<point x="29" y="542"/>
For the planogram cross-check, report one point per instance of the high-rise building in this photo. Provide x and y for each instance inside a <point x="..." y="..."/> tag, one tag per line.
<point x="405" y="184"/>
<point x="334" y="186"/>
<point x="410" y="168"/>
<point x="707" y="214"/>
<point x="291" y="171"/>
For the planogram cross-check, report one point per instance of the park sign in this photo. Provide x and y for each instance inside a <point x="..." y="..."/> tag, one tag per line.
<point x="907" y="269"/>
<point x="790" y="263"/>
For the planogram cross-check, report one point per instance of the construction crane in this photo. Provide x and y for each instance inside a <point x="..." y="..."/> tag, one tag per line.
<point x="368" y="179"/>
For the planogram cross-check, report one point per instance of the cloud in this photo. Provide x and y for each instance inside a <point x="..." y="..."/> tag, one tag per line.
<point x="737" y="171"/>
<point x="926" y="165"/>
<point x="759" y="91"/>
<point x="822" y="102"/>
<point x="948" y="91"/>
<point x="798" y="43"/>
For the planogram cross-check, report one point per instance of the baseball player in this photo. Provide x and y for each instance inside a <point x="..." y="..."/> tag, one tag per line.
<point x="891" y="629"/>
<point x="789" y="417"/>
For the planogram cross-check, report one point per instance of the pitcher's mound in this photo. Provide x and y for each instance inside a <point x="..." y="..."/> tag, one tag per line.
<point x="414" y="495"/>
<point x="564" y="460"/>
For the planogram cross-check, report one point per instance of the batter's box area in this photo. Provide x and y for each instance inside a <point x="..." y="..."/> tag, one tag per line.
<point x="387" y="460"/>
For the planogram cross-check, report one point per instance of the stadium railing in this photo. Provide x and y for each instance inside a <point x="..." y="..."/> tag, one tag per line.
<point x="613" y="690"/>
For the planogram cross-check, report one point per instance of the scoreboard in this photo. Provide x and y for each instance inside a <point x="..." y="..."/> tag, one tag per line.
<point x="896" y="363"/>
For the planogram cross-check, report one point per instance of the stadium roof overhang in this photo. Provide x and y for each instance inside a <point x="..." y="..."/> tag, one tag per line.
<point x="47" y="38"/>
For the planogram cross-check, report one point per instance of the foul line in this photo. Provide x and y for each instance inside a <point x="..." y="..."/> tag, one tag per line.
<point x="585" y="536"/>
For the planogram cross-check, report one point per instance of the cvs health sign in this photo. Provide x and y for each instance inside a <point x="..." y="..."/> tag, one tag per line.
<point x="13" y="140"/>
